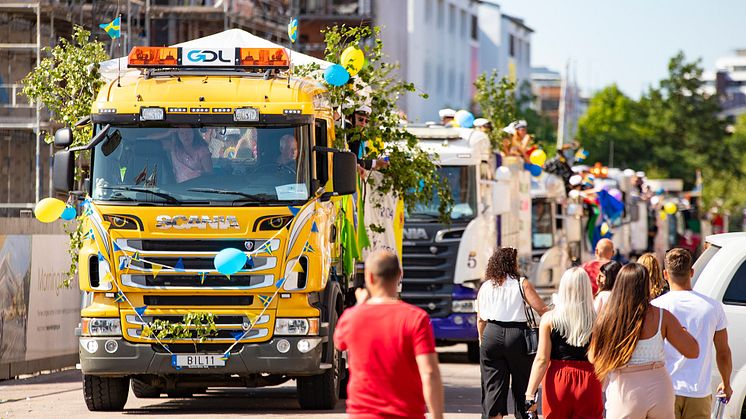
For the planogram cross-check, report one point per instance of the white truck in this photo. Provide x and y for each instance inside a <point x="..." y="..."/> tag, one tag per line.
<point x="720" y="273"/>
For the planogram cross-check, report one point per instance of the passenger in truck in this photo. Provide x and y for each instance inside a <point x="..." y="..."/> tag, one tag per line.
<point x="190" y="155"/>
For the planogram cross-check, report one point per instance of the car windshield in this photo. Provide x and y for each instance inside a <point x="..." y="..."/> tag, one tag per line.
<point x="199" y="165"/>
<point x="462" y="180"/>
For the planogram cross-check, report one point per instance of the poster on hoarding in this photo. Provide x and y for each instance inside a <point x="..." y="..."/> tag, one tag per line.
<point x="53" y="310"/>
<point x="15" y="271"/>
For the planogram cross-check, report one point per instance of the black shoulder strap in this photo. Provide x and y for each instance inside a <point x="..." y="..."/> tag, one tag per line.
<point x="530" y="319"/>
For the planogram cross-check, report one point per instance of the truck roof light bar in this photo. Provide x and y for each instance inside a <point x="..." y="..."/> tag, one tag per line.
<point x="178" y="57"/>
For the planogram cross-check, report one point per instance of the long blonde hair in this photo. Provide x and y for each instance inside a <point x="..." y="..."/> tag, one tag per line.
<point x="655" y="273"/>
<point x="618" y="328"/>
<point x="573" y="315"/>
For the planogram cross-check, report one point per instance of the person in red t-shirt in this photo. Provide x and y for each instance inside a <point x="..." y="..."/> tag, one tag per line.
<point x="604" y="253"/>
<point x="390" y="348"/>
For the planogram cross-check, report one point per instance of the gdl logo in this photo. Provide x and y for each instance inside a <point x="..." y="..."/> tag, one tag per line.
<point x="207" y="56"/>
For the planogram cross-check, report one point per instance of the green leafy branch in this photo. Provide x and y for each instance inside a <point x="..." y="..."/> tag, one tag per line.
<point x="196" y="327"/>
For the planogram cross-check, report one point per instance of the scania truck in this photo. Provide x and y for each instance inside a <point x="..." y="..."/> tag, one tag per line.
<point x="199" y="151"/>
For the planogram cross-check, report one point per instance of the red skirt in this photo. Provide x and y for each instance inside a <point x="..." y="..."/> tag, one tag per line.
<point x="571" y="390"/>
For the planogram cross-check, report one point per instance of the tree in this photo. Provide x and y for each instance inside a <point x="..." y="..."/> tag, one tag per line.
<point x="412" y="173"/>
<point x="66" y="82"/>
<point x="611" y="122"/>
<point x="496" y="100"/>
<point x="725" y="188"/>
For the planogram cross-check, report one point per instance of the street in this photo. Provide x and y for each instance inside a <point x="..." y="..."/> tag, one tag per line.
<point x="61" y="395"/>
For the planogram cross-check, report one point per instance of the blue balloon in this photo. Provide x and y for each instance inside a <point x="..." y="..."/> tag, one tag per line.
<point x="534" y="169"/>
<point x="230" y="261"/>
<point x="464" y="119"/>
<point x="336" y="75"/>
<point x="69" y="213"/>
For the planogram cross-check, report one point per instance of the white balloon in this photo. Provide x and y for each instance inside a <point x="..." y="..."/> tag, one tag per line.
<point x="575" y="180"/>
<point x="503" y="173"/>
<point x="574" y="194"/>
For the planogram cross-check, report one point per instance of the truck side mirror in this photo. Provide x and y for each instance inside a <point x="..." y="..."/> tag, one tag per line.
<point x="63" y="171"/>
<point x="344" y="176"/>
<point x="63" y="138"/>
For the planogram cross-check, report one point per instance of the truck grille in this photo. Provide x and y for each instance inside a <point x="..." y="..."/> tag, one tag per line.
<point x="428" y="275"/>
<point x="198" y="300"/>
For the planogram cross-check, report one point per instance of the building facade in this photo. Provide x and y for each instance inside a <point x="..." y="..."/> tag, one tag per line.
<point x="728" y="82"/>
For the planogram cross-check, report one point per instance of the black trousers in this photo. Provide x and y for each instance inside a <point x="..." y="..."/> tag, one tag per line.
<point x="504" y="364"/>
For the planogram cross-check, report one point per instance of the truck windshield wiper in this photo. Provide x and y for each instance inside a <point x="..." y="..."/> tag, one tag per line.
<point x="170" y="199"/>
<point x="426" y="215"/>
<point x="244" y="196"/>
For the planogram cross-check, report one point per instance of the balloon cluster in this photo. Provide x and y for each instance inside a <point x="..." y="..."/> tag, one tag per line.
<point x="51" y="209"/>
<point x="352" y="61"/>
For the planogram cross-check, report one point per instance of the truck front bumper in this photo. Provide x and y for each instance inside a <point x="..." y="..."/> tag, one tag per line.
<point x="133" y="359"/>
<point x="460" y="327"/>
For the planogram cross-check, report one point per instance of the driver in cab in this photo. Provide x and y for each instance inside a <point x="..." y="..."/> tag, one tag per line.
<point x="288" y="153"/>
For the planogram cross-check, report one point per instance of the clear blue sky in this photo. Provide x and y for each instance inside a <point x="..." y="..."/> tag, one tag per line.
<point x="628" y="41"/>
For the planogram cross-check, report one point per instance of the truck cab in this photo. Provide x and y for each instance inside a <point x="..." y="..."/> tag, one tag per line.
<point x="445" y="262"/>
<point x="186" y="161"/>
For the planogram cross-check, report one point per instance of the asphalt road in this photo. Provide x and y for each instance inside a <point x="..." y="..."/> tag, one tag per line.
<point x="61" y="395"/>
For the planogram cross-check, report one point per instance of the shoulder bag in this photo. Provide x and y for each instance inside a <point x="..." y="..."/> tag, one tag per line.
<point x="531" y="334"/>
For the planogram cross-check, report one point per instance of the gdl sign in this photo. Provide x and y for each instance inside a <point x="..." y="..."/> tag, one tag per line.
<point x="214" y="57"/>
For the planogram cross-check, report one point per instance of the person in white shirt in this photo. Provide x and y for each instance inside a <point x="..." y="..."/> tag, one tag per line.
<point x="705" y="319"/>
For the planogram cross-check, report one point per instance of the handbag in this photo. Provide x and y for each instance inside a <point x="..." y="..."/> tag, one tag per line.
<point x="531" y="334"/>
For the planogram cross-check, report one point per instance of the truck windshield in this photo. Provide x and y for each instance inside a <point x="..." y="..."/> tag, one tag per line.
<point x="463" y="183"/>
<point x="191" y="165"/>
<point x="542" y="235"/>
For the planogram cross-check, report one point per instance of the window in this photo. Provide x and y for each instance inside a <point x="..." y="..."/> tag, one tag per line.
<point x="736" y="292"/>
<point x="474" y="28"/>
<point x="511" y="45"/>
<point x="464" y="25"/>
<point x="542" y="228"/>
<point x="441" y="11"/>
<point x="451" y="19"/>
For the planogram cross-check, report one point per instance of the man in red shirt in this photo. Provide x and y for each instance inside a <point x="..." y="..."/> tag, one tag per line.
<point x="604" y="253"/>
<point x="391" y="349"/>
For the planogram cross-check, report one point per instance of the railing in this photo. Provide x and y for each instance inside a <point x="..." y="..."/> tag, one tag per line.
<point x="9" y="97"/>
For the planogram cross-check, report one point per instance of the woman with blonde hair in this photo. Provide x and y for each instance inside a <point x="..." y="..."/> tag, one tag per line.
<point x="657" y="283"/>
<point x="571" y="389"/>
<point x="627" y="349"/>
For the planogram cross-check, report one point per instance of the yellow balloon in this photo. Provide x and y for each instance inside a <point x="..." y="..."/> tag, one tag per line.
<point x="538" y="157"/>
<point x="353" y="59"/>
<point x="49" y="209"/>
<point x="604" y="229"/>
<point x="670" y="208"/>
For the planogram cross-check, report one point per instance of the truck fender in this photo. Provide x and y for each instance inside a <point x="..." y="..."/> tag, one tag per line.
<point x="333" y="303"/>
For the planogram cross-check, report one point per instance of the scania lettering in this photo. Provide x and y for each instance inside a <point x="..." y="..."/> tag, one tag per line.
<point x="185" y="163"/>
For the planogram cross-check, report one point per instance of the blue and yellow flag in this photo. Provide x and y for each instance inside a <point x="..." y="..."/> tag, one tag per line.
<point x="113" y="28"/>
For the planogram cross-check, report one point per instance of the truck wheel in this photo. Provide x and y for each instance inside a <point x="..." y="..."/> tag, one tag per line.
<point x="472" y="352"/>
<point x="321" y="392"/>
<point x="105" y="393"/>
<point x="145" y="391"/>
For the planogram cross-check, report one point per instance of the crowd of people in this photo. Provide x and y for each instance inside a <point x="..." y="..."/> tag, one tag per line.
<point x="618" y="341"/>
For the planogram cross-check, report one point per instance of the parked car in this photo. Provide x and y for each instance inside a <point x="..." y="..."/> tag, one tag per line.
<point x="720" y="273"/>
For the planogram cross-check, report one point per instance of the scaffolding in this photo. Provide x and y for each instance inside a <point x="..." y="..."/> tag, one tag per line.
<point x="27" y="27"/>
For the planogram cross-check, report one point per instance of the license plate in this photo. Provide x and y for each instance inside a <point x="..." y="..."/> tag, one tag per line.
<point x="197" y="361"/>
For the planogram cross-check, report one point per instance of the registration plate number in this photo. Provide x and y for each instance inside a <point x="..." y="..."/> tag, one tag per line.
<point x="197" y="361"/>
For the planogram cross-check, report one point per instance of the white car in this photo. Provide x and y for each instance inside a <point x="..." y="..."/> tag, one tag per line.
<point x="720" y="273"/>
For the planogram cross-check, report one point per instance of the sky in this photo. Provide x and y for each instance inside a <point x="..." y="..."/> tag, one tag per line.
<point x="628" y="42"/>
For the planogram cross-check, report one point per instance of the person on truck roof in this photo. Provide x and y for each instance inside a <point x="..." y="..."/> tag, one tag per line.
<point x="360" y="119"/>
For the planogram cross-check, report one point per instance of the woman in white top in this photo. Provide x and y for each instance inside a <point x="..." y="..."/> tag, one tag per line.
<point x="606" y="278"/>
<point x="627" y="349"/>
<point x="501" y="320"/>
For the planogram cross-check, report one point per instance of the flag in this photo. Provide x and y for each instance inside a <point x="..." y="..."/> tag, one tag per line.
<point x="202" y="276"/>
<point x="146" y="331"/>
<point x="280" y="283"/>
<point x="237" y="334"/>
<point x="225" y="356"/>
<point x="250" y="262"/>
<point x="136" y="256"/>
<point x="113" y="28"/>
<point x="119" y="297"/>
<point x="298" y="268"/>
<point x="307" y="248"/>
<point x="100" y="256"/>
<point x="116" y="247"/>
<point x="124" y="263"/>
<point x="155" y="269"/>
<point x="581" y="155"/>
<point x="294" y="210"/>
<point x="140" y="310"/>
<point x="265" y="300"/>
<point x="108" y="277"/>
<point x="610" y="207"/>
<point x="266" y="248"/>
<point x="314" y="228"/>
<point x="179" y="265"/>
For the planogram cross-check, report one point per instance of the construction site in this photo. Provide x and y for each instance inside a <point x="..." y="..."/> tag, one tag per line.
<point x="28" y="27"/>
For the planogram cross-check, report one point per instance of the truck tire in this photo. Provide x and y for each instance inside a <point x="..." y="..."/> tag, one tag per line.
<point x="321" y="392"/>
<point x="472" y="352"/>
<point x="145" y="391"/>
<point x="105" y="394"/>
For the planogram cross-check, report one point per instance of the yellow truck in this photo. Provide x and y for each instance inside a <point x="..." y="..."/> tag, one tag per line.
<point x="200" y="151"/>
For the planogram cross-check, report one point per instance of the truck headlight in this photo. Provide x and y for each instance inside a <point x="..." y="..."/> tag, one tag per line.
<point x="246" y="115"/>
<point x="152" y="114"/>
<point x="297" y="327"/>
<point x="463" y="306"/>
<point x="101" y="327"/>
